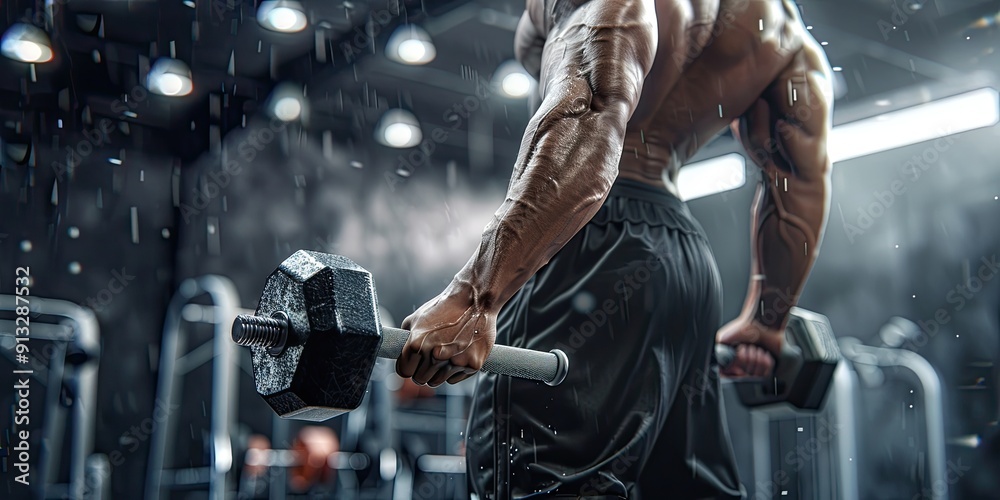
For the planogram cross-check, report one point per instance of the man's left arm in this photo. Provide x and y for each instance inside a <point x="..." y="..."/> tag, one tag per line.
<point x="592" y="71"/>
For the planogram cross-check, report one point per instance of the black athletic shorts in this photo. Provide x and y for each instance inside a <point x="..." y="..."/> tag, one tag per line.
<point x="635" y="300"/>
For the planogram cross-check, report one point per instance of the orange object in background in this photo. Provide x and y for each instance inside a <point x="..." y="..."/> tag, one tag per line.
<point x="314" y="445"/>
<point x="409" y="391"/>
<point x="257" y="445"/>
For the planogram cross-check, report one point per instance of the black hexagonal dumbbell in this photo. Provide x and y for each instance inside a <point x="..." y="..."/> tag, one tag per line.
<point x="804" y="370"/>
<point x="316" y="333"/>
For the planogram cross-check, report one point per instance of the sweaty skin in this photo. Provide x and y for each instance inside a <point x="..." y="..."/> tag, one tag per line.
<point x="633" y="88"/>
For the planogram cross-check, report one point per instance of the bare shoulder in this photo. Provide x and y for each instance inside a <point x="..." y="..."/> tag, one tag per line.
<point x="807" y="81"/>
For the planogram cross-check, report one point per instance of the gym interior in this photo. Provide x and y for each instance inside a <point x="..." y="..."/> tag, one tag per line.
<point x="162" y="158"/>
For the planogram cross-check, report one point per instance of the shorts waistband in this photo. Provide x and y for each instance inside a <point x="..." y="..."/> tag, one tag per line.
<point x="628" y="188"/>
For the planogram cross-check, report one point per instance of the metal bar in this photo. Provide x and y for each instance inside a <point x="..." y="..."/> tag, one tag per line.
<point x="930" y="384"/>
<point x="224" y="370"/>
<point x="87" y="338"/>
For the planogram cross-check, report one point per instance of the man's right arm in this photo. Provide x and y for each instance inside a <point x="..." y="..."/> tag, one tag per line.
<point x="786" y="133"/>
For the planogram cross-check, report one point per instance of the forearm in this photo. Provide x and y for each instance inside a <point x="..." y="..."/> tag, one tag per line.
<point x="562" y="178"/>
<point x="789" y="217"/>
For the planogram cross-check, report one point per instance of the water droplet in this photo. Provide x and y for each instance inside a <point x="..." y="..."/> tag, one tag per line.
<point x="356" y="164"/>
<point x="75" y="267"/>
<point x="165" y="233"/>
<point x="73" y="232"/>
<point x="584" y="302"/>
<point x="25" y="246"/>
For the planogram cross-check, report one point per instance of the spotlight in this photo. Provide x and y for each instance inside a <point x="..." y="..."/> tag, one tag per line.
<point x="284" y="16"/>
<point x="511" y="78"/>
<point x="287" y="103"/>
<point x="170" y="77"/>
<point x="398" y="128"/>
<point x="26" y="43"/>
<point x="410" y="44"/>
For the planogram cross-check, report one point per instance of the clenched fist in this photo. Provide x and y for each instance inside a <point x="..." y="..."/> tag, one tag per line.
<point x="450" y="338"/>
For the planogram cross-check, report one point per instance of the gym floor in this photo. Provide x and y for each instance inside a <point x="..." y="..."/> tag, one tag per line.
<point x="160" y="159"/>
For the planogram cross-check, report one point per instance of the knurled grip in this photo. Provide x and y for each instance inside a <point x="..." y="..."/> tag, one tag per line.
<point x="549" y="367"/>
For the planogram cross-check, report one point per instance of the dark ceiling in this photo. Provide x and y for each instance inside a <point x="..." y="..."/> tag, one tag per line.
<point x="103" y="46"/>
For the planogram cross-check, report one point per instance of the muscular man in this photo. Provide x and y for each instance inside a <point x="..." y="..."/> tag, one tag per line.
<point x="593" y="252"/>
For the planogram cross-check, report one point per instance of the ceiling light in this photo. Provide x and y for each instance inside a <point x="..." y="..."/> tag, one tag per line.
<point x="285" y="16"/>
<point x="512" y="80"/>
<point x="288" y="103"/>
<point x="287" y="109"/>
<point x="170" y="77"/>
<point x="398" y="128"/>
<point x="924" y="122"/>
<point x="712" y="176"/>
<point x="410" y="44"/>
<point x="26" y="43"/>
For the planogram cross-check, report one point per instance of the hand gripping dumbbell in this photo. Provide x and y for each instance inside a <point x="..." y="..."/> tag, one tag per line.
<point x="804" y="369"/>
<point x="316" y="333"/>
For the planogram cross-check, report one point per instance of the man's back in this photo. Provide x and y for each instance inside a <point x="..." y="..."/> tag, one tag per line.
<point x="715" y="61"/>
<point x="589" y="249"/>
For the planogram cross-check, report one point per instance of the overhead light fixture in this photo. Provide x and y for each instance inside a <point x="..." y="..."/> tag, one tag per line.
<point x="708" y="177"/>
<point x="26" y="43"/>
<point x="288" y="103"/>
<point x="398" y="128"/>
<point x="934" y="120"/>
<point x="410" y="44"/>
<point x="512" y="80"/>
<point x="169" y="77"/>
<point x="284" y="16"/>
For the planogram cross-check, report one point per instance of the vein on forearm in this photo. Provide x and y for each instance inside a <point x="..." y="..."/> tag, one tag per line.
<point x="570" y="161"/>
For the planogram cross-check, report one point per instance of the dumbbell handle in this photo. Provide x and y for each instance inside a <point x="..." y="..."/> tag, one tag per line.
<point x="549" y="367"/>
<point x="272" y="332"/>
<point x="725" y="355"/>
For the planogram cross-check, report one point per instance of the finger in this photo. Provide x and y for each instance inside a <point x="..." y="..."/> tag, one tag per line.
<point x="427" y="368"/>
<point x="768" y="361"/>
<point x="462" y="375"/>
<point x="407" y="322"/>
<point x="409" y="359"/>
<point x="759" y="362"/>
<point x="754" y="361"/>
<point x="444" y="374"/>
<point x="742" y="363"/>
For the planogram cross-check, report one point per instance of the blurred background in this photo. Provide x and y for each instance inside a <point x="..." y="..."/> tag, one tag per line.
<point x="159" y="159"/>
